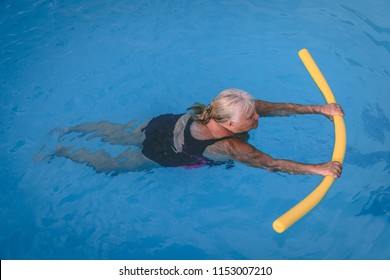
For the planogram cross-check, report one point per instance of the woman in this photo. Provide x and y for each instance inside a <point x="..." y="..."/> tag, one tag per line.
<point x="208" y="135"/>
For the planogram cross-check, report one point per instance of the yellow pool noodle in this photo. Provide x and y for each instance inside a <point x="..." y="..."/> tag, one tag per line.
<point x="310" y="201"/>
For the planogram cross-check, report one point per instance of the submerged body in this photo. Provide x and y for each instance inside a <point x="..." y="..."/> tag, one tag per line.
<point x="209" y="135"/>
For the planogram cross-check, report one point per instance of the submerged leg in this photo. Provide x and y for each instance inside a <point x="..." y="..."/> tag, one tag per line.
<point x="119" y="134"/>
<point x="101" y="161"/>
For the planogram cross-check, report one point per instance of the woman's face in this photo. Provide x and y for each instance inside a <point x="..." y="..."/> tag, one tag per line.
<point x="244" y="123"/>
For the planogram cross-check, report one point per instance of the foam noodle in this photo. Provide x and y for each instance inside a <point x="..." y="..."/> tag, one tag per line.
<point x="309" y="202"/>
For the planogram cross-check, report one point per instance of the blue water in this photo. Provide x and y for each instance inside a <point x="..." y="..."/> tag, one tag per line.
<point x="66" y="62"/>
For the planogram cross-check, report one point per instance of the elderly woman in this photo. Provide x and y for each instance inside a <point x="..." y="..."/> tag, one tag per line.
<point x="207" y="135"/>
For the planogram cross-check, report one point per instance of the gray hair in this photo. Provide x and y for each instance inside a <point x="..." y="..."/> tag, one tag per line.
<point x="228" y="105"/>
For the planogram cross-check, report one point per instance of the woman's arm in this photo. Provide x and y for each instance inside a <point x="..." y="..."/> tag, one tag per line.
<point x="245" y="153"/>
<point x="265" y="108"/>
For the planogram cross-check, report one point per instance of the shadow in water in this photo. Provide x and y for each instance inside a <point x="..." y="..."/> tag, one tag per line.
<point x="367" y="160"/>
<point x="375" y="122"/>
<point x="378" y="203"/>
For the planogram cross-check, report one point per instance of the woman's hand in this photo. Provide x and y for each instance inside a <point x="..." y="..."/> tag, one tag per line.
<point x="329" y="110"/>
<point x="331" y="168"/>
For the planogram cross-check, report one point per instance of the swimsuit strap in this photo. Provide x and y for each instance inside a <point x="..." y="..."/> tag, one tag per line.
<point x="195" y="146"/>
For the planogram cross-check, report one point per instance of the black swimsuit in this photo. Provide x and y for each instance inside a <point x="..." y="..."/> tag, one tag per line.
<point x="158" y="144"/>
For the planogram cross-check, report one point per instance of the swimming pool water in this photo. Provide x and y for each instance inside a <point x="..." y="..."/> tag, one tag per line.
<point x="66" y="62"/>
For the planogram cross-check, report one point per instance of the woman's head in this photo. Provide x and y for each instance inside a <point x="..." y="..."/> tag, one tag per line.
<point x="230" y="105"/>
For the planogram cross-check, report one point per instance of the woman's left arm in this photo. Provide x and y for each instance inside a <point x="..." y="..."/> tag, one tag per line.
<point x="265" y="108"/>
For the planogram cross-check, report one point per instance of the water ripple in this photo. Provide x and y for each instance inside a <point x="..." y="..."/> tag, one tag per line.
<point x="376" y="27"/>
<point x="373" y="25"/>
